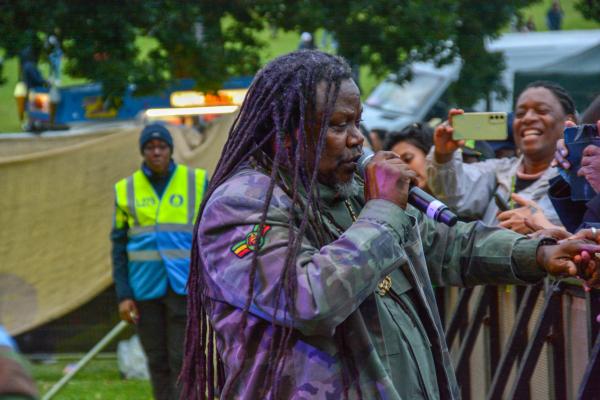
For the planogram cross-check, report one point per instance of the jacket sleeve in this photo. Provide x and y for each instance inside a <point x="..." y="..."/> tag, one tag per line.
<point x="118" y="237"/>
<point x="474" y="253"/>
<point x="465" y="188"/>
<point x="324" y="286"/>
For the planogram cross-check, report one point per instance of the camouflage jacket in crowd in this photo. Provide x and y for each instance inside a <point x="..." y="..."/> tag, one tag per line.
<point x="397" y="345"/>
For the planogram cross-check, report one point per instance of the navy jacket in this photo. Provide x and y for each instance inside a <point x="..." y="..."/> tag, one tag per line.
<point x="574" y="215"/>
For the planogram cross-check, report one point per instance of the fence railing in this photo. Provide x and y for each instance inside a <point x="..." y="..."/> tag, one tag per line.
<point x="497" y="337"/>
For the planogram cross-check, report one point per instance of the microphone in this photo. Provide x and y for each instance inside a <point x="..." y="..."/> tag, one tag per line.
<point x="417" y="197"/>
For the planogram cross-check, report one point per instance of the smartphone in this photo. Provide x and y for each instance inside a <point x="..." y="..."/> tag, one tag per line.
<point x="480" y="126"/>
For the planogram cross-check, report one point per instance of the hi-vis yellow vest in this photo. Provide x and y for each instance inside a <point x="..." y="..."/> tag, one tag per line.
<point x="160" y="229"/>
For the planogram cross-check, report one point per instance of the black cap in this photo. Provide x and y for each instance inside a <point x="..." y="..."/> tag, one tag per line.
<point x="155" y="131"/>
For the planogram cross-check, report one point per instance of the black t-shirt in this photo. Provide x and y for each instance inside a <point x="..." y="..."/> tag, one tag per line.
<point x="522" y="184"/>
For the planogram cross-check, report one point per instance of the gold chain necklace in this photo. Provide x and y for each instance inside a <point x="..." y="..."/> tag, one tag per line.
<point x="386" y="284"/>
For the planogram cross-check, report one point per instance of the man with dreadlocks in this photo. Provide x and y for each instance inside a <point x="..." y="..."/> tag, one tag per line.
<point x="307" y="288"/>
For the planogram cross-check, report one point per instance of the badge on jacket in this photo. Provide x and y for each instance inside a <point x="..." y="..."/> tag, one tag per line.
<point x="251" y="243"/>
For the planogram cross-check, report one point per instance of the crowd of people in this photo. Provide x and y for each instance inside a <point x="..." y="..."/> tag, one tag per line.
<point x="523" y="173"/>
<point x="312" y="280"/>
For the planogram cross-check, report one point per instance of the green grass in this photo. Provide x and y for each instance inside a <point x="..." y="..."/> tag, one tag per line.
<point x="572" y="18"/>
<point x="9" y="120"/>
<point x="96" y="381"/>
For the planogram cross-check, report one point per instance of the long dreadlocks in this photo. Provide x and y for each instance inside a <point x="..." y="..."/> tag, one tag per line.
<point x="270" y="129"/>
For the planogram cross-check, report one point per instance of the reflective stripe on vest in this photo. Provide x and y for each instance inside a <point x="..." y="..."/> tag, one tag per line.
<point x="160" y="229"/>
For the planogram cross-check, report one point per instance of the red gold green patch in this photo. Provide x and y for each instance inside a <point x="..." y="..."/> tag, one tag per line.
<point x="250" y="244"/>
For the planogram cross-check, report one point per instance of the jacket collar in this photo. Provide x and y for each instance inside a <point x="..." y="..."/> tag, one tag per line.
<point x="152" y="176"/>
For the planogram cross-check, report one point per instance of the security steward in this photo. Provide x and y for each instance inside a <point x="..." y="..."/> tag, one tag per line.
<point x="155" y="210"/>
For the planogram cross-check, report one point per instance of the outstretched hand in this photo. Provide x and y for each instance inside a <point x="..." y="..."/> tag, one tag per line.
<point x="572" y="258"/>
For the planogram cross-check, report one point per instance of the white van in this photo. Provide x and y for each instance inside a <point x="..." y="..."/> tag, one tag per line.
<point x="391" y="106"/>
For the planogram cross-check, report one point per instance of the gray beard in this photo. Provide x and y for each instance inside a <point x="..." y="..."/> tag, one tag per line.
<point x="345" y="190"/>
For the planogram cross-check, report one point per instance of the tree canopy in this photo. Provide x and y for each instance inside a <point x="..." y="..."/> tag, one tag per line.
<point x="210" y="41"/>
<point x="590" y="9"/>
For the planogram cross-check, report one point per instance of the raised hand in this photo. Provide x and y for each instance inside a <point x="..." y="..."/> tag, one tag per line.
<point x="444" y="144"/>
<point x="572" y="258"/>
<point x="561" y="153"/>
<point x="590" y="166"/>
<point x="560" y="159"/>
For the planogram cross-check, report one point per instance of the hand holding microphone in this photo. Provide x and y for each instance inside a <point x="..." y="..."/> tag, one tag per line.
<point x="387" y="177"/>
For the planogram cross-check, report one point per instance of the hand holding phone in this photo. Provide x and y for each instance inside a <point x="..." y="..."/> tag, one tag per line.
<point x="444" y="144"/>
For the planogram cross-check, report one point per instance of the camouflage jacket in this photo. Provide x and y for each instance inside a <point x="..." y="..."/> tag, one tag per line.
<point x="396" y="345"/>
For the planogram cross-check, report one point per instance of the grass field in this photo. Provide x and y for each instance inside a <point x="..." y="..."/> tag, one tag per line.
<point x="572" y="18"/>
<point x="282" y="43"/>
<point x="99" y="380"/>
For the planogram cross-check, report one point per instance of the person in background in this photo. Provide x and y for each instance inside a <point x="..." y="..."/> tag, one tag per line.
<point x="55" y="57"/>
<point x="377" y="138"/>
<point x="15" y="379"/>
<point x="155" y="210"/>
<point x="577" y="215"/>
<point x="32" y="76"/>
<point x="554" y="16"/>
<point x="470" y="189"/>
<point x="414" y="142"/>
<point x="412" y="145"/>
<point x="307" y="42"/>
<point x="530" y="25"/>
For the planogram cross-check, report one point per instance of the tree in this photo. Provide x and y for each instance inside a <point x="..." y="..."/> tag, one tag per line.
<point x="387" y="35"/>
<point x="212" y="40"/>
<point x="384" y="34"/>
<point x="590" y="9"/>
<point x="481" y="71"/>
<point x="205" y="40"/>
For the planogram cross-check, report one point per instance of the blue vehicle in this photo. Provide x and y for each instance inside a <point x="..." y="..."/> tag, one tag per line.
<point x="84" y="103"/>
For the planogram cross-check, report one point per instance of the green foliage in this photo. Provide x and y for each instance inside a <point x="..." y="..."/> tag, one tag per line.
<point x="590" y="9"/>
<point x="386" y="35"/>
<point x="383" y="34"/>
<point x="149" y="43"/>
<point x="99" y="40"/>
<point x="481" y="71"/>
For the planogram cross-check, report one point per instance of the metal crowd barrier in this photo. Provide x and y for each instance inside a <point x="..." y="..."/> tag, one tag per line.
<point x="524" y="342"/>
